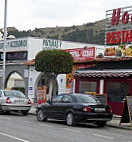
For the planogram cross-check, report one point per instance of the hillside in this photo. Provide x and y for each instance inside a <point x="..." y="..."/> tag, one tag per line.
<point x="87" y="33"/>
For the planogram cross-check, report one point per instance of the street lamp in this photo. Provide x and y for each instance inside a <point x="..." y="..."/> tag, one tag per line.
<point x="4" y="54"/>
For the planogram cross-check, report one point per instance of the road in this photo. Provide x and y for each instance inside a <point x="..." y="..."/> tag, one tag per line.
<point x="17" y="128"/>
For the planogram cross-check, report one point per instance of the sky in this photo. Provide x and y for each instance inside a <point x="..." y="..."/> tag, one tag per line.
<point x="31" y="14"/>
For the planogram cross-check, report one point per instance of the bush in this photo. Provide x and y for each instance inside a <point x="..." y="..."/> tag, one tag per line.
<point x="54" y="61"/>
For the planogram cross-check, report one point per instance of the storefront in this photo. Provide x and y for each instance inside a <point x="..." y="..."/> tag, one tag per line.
<point x="112" y="77"/>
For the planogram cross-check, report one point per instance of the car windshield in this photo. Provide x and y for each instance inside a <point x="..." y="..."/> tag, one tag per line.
<point x="86" y="99"/>
<point x="13" y="94"/>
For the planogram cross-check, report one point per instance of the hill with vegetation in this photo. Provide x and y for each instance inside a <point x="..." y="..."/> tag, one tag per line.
<point x="87" y="33"/>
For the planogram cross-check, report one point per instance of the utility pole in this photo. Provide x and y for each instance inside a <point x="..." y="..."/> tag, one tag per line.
<point x="4" y="52"/>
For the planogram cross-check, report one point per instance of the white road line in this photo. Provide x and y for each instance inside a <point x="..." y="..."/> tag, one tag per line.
<point x="47" y="125"/>
<point x="77" y="131"/>
<point x="5" y="117"/>
<point x="13" y="137"/>
<point x="25" y="122"/>
<point x="110" y="138"/>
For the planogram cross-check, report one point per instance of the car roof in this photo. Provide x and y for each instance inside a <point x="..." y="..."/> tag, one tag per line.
<point x="74" y="94"/>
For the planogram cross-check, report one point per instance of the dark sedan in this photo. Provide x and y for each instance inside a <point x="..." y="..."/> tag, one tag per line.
<point x="74" y="108"/>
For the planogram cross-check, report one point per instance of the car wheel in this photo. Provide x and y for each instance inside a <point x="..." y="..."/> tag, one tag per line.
<point x="1" y="110"/>
<point x="70" y="119"/>
<point x="41" y="116"/>
<point x="25" y="113"/>
<point x="101" y="124"/>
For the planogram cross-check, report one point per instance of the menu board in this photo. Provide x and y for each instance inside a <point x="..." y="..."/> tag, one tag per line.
<point x="127" y="110"/>
<point x="129" y="103"/>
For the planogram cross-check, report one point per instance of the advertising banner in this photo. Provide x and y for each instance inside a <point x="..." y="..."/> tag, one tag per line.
<point x="41" y="95"/>
<point x="118" y="51"/>
<point x="82" y="54"/>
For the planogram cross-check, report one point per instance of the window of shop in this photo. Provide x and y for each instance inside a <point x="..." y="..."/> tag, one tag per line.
<point x="87" y="86"/>
<point x="116" y="91"/>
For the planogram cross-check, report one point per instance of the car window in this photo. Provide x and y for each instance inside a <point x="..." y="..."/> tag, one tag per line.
<point x="66" y="99"/>
<point x="57" y="99"/>
<point x="13" y="94"/>
<point x="86" y="99"/>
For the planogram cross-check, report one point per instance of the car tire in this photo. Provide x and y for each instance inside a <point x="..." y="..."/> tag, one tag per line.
<point x="70" y="120"/>
<point x="25" y="113"/>
<point x="1" y="110"/>
<point x="41" y="116"/>
<point x="101" y="124"/>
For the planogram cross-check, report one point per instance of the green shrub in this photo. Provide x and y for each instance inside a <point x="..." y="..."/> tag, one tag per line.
<point x="54" y="61"/>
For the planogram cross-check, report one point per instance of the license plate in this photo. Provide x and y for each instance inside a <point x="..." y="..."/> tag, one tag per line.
<point x="99" y="109"/>
<point x="19" y="101"/>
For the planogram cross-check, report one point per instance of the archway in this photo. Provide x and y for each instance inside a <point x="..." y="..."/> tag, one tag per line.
<point x="15" y="81"/>
<point x="43" y="80"/>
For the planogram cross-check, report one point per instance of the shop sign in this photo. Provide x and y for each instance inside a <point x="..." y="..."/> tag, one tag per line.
<point x="118" y="51"/>
<point x="13" y="56"/>
<point x="82" y="54"/>
<point x="119" y="26"/>
<point x="51" y="44"/>
<point x="14" y="44"/>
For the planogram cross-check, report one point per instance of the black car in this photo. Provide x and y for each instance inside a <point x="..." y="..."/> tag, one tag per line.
<point x="74" y="108"/>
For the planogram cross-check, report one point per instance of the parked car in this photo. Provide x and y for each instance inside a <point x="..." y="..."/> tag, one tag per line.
<point x="12" y="100"/>
<point x="74" y="108"/>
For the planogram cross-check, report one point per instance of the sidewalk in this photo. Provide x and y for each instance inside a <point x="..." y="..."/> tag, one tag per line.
<point x="113" y="123"/>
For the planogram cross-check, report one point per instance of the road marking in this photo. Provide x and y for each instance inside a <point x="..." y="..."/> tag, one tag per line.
<point x="77" y="131"/>
<point x="25" y="122"/>
<point x="103" y="136"/>
<point x="13" y="137"/>
<point x="47" y="125"/>
<point x="4" y="117"/>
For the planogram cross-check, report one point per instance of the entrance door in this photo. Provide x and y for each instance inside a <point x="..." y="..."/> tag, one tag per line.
<point x="116" y="91"/>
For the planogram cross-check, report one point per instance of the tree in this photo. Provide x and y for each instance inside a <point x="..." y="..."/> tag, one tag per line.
<point x="52" y="63"/>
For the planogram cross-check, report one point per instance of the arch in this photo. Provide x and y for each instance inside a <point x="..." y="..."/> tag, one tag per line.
<point x="55" y="86"/>
<point x="18" y="68"/>
<point x="7" y="78"/>
<point x="11" y="81"/>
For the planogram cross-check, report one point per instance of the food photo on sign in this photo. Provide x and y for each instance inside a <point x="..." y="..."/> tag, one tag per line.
<point x="118" y="51"/>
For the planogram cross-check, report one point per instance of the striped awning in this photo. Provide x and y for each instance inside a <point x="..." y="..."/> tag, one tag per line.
<point x="103" y="74"/>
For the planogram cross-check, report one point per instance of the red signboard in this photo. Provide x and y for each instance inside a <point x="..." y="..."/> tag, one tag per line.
<point x="119" y="26"/>
<point x="82" y="54"/>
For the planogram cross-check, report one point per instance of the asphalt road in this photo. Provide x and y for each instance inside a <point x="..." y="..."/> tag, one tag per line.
<point x="17" y="128"/>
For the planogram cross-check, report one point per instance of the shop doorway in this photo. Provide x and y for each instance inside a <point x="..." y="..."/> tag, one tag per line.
<point x="42" y="81"/>
<point x="116" y="91"/>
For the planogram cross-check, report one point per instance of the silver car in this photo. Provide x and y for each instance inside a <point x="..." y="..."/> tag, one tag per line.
<point x="12" y="100"/>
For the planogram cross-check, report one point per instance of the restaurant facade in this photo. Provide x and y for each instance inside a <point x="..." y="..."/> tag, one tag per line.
<point x="112" y="74"/>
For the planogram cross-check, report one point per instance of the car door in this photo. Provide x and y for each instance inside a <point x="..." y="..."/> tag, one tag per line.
<point x="52" y="110"/>
<point x="65" y="105"/>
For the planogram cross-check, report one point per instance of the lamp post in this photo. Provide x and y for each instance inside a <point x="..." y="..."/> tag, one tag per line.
<point x="4" y="52"/>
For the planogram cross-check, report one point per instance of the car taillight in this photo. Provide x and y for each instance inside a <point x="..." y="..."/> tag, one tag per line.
<point x="87" y="109"/>
<point x="109" y="110"/>
<point x="29" y="102"/>
<point x="8" y="101"/>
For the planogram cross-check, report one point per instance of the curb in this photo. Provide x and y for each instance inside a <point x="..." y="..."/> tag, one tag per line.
<point x="119" y="127"/>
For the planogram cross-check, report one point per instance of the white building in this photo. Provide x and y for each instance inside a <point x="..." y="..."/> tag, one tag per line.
<point x="25" y="49"/>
